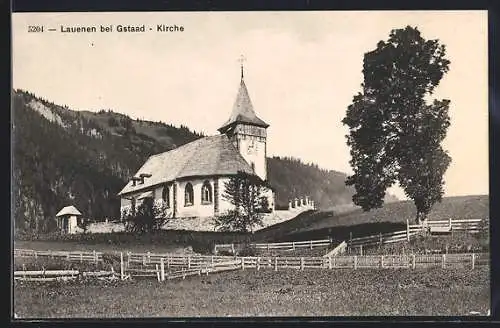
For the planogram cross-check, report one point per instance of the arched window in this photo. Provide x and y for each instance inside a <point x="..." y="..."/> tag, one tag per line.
<point x="188" y="195"/>
<point x="165" y="195"/>
<point x="206" y="193"/>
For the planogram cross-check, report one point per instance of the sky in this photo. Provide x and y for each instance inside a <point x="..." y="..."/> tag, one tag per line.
<point x="301" y="70"/>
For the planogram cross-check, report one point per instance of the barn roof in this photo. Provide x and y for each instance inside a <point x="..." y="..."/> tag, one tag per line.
<point x="68" y="210"/>
<point x="209" y="156"/>
<point x="243" y="110"/>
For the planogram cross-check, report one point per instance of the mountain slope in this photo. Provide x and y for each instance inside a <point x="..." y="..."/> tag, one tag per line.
<point x="84" y="158"/>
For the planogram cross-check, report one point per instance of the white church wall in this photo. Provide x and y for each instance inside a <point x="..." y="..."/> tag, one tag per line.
<point x="253" y="151"/>
<point x="124" y="202"/>
<point x="197" y="208"/>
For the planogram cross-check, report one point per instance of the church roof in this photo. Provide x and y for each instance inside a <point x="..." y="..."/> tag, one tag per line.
<point x="243" y="110"/>
<point x="209" y="156"/>
<point x="68" y="210"/>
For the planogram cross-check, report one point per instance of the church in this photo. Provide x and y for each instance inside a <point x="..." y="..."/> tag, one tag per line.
<point x="190" y="180"/>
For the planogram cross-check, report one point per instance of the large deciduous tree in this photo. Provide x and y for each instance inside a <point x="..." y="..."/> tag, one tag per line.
<point x="395" y="132"/>
<point x="245" y="192"/>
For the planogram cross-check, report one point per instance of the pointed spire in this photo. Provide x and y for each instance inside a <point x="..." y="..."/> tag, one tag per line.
<point x="243" y="109"/>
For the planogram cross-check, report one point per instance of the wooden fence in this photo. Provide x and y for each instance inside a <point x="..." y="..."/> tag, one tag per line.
<point x="340" y="249"/>
<point x="471" y="225"/>
<point x="172" y="266"/>
<point x="65" y="255"/>
<point x="338" y="262"/>
<point x="57" y="275"/>
<point x="443" y="226"/>
<point x="291" y="245"/>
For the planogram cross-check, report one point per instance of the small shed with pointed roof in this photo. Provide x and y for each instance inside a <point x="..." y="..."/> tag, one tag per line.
<point x="67" y="219"/>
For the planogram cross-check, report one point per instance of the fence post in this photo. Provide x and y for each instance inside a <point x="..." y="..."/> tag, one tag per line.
<point x="189" y="261"/>
<point x="413" y="264"/>
<point x="258" y="263"/>
<point x="128" y="258"/>
<point x="149" y="257"/>
<point x="301" y="263"/>
<point x="275" y="264"/>
<point x="144" y="260"/>
<point x="380" y="241"/>
<point x="162" y="268"/>
<point x="449" y="222"/>
<point x="444" y="261"/>
<point x="311" y="244"/>
<point x="407" y="230"/>
<point x="361" y="250"/>
<point x="473" y="260"/>
<point x="121" y="266"/>
<point x="212" y="261"/>
<point x="355" y="262"/>
<point x="168" y="262"/>
<point x="330" y="262"/>
<point x="242" y="263"/>
<point x="293" y="245"/>
<point x="81" y="257"/>
<point x="382" y="261"/>
<point x="268" y="247"/>
<point x="232" y="248"/>
<point x="95" y="257"/>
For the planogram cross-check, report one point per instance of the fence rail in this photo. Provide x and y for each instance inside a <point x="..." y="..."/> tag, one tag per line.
<point x="472" y="225"/>
<point x="291" y="245"/>
<point x="340" y="249"/>
<point x="65" y="255"/>
<point x="173" y="266"/>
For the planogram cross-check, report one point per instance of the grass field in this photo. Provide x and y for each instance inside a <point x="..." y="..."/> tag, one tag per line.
<point x="458" y="242"/>
<point x="265" y="293"/>
<point x="391" y="217"/>
<point x="463" y="207"/>
<point x="137" y="247"/>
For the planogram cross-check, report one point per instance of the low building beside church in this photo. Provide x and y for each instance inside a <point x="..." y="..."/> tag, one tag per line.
<point x="68" y="219"/>
<point x="190" y="180"/>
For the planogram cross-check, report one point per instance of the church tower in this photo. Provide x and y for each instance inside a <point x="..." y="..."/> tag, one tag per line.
<point x="247" y="131"/>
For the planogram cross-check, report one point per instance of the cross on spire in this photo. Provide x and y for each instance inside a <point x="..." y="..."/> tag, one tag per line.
<point x="241" y="60"/>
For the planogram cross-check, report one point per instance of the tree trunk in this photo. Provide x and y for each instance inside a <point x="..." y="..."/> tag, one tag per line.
<point x="421" y="217"/>
<point x="418" y="219"/>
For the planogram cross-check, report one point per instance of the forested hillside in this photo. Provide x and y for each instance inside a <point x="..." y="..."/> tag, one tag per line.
<point x="84" y="158"/>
